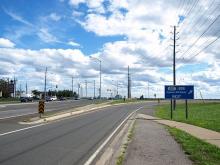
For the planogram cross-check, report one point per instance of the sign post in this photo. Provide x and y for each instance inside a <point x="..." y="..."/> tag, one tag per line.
<point x="175" y="92"/>
<point x="41" y="107"/>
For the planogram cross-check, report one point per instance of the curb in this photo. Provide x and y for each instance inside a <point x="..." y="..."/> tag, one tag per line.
<point x="64" y="115"/>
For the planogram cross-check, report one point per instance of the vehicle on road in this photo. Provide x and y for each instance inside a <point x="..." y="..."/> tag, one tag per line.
<point x="26" y="98"/>
<point x="51" y="98"/>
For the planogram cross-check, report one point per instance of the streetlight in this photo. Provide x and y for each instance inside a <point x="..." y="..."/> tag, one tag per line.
<point x="100" y="68"/>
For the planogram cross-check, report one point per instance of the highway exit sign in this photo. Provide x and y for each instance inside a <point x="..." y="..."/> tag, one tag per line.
<point x="179" y="92"/>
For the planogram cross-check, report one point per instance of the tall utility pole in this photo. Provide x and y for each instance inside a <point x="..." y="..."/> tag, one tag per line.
<point x="129" y="84"/>
<point x="78" y="89"/>
<point x="86" y="87"/>
<point x="15" y="87"/>
<point x="26" y="88"/>
<point x="148" y="90"/>
<point x="117" y="87"/>
<point x="174" y="62"/>
<point x="174" y="56"/>
<point x="94" y="89"/>
<point x="100" y="75"/>
<point x="45" y="84"/>
<point x="72" y="86"/>
<point x="100" y="90"/>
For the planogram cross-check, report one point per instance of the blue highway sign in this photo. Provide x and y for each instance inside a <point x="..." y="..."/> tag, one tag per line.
<point x="179" y="92"/>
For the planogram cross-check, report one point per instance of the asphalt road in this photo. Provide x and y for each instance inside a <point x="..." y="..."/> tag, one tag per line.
<point x="64" y="142"/>
<point x="20" y="109"/>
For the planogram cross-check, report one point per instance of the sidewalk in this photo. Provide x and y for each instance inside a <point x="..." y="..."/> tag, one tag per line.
<point x="207" y="135"/>
<point x="153" y="145"/>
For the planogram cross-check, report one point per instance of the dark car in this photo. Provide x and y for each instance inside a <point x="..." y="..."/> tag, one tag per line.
<point x="26" y="99"/>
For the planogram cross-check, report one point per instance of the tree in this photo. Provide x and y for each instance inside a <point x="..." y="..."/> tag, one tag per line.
<point x="4" y="87"/>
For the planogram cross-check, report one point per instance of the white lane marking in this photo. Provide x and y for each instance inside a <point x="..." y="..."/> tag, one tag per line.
<point x="22" y="129"/>
<point x="2" y="106"/>
<point x="94" y="155"/>
<point x="8" y="117"/>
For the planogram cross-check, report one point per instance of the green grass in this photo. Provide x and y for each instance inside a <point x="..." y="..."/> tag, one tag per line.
<point x="200" y="152"/>
<point x="203" y="115"/>
<point x="121" y="157"/>
<point x="126" y="101"/>
<point x="9" y="100"/>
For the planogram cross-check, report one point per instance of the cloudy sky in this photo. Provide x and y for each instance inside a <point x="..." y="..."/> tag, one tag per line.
<point x="62" y="34"/>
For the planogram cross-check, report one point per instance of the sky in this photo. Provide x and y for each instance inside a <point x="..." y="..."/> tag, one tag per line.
<point x="63" y="35"/>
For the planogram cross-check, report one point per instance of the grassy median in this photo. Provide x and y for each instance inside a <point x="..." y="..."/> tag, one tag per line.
<point x="206" y="115"/>
<point x="200" y="152"/>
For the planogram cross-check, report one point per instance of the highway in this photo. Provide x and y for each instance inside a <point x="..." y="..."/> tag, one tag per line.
<point x="64" y="142"/>
<point x="20" y="109"/>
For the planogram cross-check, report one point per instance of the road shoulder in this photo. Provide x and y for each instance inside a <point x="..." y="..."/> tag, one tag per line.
<point x="153" y="144"/>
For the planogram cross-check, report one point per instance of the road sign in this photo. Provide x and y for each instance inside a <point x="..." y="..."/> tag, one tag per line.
<point x="41" y="107"/>
<point x="179" y="92"/>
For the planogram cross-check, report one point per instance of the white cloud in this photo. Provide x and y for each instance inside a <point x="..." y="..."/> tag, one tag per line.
<point x="72" y="43"/>
<point x="17" y="17"/>
<point x="46" y="36"/>
<point x="76" y="2"/>
<point x="54" y="17"/>
<point x="6" y="43"/>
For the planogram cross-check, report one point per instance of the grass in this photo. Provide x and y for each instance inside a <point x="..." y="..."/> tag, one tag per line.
<point x="126" y="101"/>
<point x="200" y="152"/>
<point x="9" y="100"/>
<point x="121" y="157"/>
<point x="203" y="115"/>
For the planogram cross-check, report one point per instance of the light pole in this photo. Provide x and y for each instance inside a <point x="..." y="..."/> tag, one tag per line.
<point x="45" y="84"/>
<point x="100" y="74"/>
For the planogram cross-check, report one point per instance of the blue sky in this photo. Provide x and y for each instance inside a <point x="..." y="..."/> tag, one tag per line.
<point x="62" y="34"/>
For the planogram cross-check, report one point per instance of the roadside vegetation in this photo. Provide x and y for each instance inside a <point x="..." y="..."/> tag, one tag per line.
<point x="206" y="115"/>
<point x="128" y="101"/>
<point x="200" y="152"/>
<point x="121" y="157"/>
<point x="9" y="100"/>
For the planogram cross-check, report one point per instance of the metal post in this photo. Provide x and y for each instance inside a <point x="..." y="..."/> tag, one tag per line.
<point x="186" y="109"/>
<point x="171" y="109"/>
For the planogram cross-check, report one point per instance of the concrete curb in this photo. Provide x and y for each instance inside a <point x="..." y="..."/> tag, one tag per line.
<point x="74" y="112"/>
<point x="207" y="135"/>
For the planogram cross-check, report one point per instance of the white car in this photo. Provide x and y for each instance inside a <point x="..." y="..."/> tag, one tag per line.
<point x="53" y="98"/>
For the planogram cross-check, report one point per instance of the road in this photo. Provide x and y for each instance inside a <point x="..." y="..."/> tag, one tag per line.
<point x="64" y="142"/>
<point x="20" y="109"/>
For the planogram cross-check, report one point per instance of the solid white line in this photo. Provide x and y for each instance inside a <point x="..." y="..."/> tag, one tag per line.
<point x="94" y="155"/>
<point x="18" y="130"/>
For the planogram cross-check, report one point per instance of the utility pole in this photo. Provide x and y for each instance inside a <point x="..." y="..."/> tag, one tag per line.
<point x="72" y="86"/>
<point x="174" y="56"/>
<point x="174" y="62"/>
<point x="78" y="89"/>
<point x="94" y="89"/>
<point x="117" y="87"/>
<point x="129" y="84"/>
<point x="86" y="87"/>
<point x="45" y="84"/>
<point x="26" y="88"/>
<point x="20" y="90"/>
<point x="148" y="90"/>
<point x="15" y="87"/>
<point x="100" y="90"/>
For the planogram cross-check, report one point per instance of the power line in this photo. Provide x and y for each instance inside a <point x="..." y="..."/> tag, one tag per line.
<point x="192" y="27"/>
<point x="200" y="36"/>
<point x="204" y="48"/>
